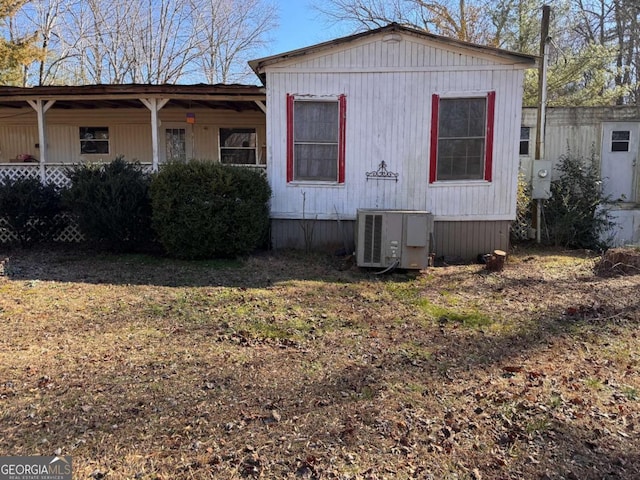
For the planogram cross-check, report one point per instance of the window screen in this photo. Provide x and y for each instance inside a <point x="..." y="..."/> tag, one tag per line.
<point x="316" y="138"/>
<point x="176" y="145"/>
<point x="461" y="138"/>
<point x="94" y="140"/>
<point x="238" y="146"/>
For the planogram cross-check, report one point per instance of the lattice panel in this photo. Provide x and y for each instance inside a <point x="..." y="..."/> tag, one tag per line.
<point x="71" y="234"/>
<point x="53" y="174"/>
<point x="6" y="235"/>
<point x="147" y="168"/>
<point x="521" y="226"/>
<point x="56" y="174"/>
<point x="17" y="172"/>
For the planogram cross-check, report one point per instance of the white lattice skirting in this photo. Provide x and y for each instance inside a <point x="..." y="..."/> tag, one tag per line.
<point x="55" y="174"/>
<point x="70" y="234"/>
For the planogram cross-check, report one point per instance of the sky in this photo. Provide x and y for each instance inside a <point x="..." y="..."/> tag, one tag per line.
<point x="300" y="26"/>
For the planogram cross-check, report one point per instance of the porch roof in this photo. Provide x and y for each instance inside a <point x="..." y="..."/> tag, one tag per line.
<point x="220" y="96"/>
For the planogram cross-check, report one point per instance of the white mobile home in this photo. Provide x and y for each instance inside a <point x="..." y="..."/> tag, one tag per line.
<point x="393" y="119"/>
<point x="398" y="119"/>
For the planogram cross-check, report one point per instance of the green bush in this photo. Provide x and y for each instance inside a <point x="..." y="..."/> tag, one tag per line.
<point x="576" y="215"/>
<point x="111" y="204"/>
<point x="31" y="210"/>
<point x="208" y="210"/>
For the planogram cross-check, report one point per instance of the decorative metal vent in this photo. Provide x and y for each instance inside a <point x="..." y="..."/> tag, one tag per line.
<point x="382" y="173"/>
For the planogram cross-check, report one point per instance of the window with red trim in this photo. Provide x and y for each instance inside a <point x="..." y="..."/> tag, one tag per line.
<point x="315" y="139"/>
<point x="462" y="138"/>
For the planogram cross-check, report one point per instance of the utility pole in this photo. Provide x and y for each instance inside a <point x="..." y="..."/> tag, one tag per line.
<point x="542" y="82"/>
<point x="542" y="104"/>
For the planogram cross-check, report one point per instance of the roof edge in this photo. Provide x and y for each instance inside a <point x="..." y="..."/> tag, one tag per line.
<point x="132" y="89"/>
<point x="259" y="64"/>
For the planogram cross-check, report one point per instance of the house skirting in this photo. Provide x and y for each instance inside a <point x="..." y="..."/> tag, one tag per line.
<point x="468" y="239"/>
<point x="452" y="239"/>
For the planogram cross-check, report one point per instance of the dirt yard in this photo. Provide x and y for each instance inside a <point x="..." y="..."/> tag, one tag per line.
<point x="290" y="366"/>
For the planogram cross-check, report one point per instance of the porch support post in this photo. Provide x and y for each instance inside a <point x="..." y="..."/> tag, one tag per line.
<point x="261" y="106"/>
<point x="154" y="105"/>
<point x="41" y="107"/>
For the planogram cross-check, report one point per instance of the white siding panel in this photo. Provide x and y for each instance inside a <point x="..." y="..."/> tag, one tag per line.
<point x="375" y="53"/>
<point x="16" y="140"/>
<point x="577" y="129"/>
<point x="204" y="139"/>
<point x="131" y="141"/>
<point x="64" y="143"/>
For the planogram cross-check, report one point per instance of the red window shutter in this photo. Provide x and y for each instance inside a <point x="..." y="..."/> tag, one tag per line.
<point x="290" y="100"/>
<point x="433" y="154"/>
<point x="488" y="156"/>
<point x="342" y="103"/>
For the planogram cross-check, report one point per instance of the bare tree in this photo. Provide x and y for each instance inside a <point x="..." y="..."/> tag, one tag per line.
<point x="145" y="41"/>
<point x="230" y="32"/>
<point x="367" y="14"/>
<point x="465" y="20"/>
<point x="45" y="15"/>
<point x="164" y="44"/>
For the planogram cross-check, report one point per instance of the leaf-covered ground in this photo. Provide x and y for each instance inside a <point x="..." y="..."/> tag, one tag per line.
<point x="290" y="366"/>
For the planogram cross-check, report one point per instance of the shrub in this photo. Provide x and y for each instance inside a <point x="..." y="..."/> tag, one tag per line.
<point x="576" y="214"/>
<point x="111" y="204"/>
<point x="208" y="210"/>
<point x="31" y="210"/>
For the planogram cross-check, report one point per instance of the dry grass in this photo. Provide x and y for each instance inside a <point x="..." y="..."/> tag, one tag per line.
<point x="285" y="366"/>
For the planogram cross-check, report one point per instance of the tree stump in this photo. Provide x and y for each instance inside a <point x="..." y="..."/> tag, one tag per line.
<point x="495" y="261"/>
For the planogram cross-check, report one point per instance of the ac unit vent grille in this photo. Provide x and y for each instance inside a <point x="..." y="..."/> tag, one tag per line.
<point x="373" y="238"/>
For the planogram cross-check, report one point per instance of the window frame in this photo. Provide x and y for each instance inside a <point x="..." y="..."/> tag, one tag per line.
<point x="83" y="139"/>
<point x="525" y="140"/>
<point x="342" y="109"/>
<point x="490" y="98"/>
<point x="626" y="142"/>
<point x="256" y="157"/>
<point x="180" y="159"/>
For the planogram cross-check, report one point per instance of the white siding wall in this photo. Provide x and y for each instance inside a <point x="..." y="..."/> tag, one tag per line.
<point x="16" y="140"/>
<point x="578" y="129"/>
<point x="388" y="89"/>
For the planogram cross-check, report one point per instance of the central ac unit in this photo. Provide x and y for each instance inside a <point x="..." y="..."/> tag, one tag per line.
<point x="388" y="238"/>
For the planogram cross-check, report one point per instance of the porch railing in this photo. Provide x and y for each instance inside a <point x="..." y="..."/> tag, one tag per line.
<point x="54" y="173"/>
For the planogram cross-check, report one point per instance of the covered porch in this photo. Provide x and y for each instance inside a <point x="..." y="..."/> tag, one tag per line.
<point x="44" y="130"/>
